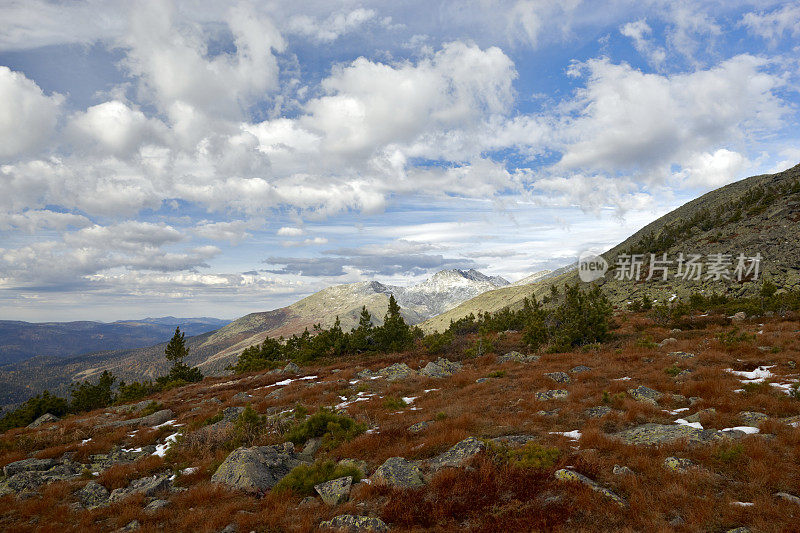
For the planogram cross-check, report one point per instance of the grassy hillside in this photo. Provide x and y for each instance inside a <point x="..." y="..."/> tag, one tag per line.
<point x="742" y="217"/>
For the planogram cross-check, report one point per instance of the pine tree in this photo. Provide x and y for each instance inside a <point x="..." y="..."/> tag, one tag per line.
<point x="176" y="350"/>
<point x="365" y="320"/>
<point x="394" y="335"/>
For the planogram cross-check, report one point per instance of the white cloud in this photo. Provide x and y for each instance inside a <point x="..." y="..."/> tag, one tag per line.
<point x="114" y="128"/>
<point x="529" y="19"/>
<point x="713" y="170"/>
<point x="639" y="32"/>
<point x="33" y="220"/>
<point x="625" y="119"/>
<point x="774" y="24"/>
<point x="330" y="29"/>
<point x="290" y="232"/>
<point x="234" y="232"/>
<point x="27" y="116"/>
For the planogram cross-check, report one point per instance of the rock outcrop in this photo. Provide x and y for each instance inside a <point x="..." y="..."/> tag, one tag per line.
<point x="256" y="469"/>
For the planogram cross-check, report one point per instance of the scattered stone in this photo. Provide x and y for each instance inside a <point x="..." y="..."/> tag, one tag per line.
<point x="133" y="525"/>
<point x="212" y="400"/>
<point x="28" y="465"/>
<point x="792" y="364"/>
<point x="311" y="447"/>
<point x="232" y="413"/>
<point x="514" y="441"/>
<point x="559" y="377"/>
<point x="355" y="524"/>
<point x="554" y="394"/>
<point x="397" y="372"/>
<point x="419" y="426"/>
<point x="398" y="472"/>
<point x="683" y="374"/>
<point x="149" y="486"/>
<point x="623" y="471"/>
<point x="681" y="355"/>
<point x="785" y="496"/>
<point x="481" y="380"/>
<point x="46" y="418"/>
<point x="679" y="398"/>
<point x="677" y="521"/>
<point x="662" y="433"/>
<point x="702" y="412"/>
<point x="335" y="491"/>
<point x="155" y="505"/>
<point x="256" y="469"/>
<point x="552" y="412"/>
<point x="517" y="358"/>
<point x="580" y="368"/>
<point x="159" y="417"/>
<point x="741" y="315"/>
<point x="93" y="495"/>
<point x="694" y="399"/>
<point x="739" y="530"/>
<point x="291" y="368"/>
<point x="230" y="528"/>
<point x="457" y="455"/>
<point x="567" y="475"/>
<point x="241" y="397"/>
<point x="678" y="464"/>
<point x="645" y="394"/>
<point x="368" y="374"/>
<point x="752" y="418"/>
<point x="667" y="342"/>
<point x="598" y="411"/>
<point x="442" y="368"/>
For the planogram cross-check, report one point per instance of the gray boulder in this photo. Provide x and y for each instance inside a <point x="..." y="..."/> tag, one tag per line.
<point x="580" y="368"/>
<point x="678" y="464"/>
<point x="752" y="418"/>
<point x="681" y="355"/>
<point x="514" y="441"/>
<point x="459" y="454"/>
<point x="696" y="417"/>
<point x="149" y="486"/>
<point x="645" y="394"/>
<point x="661" y="433"/>
<point x="555" y="394"/>
<point x="398" y="472"/>
<point x="335" y="491"/>
<point x="559" y="377"/>
<point x="623" y="471"/>
<point x="566" y="475"/>
<point x="419" y="426"/>
<point x="28" y="465"/>
<point x="442" y="368"/>
<point x="397" y="371"/>
<point x="598" y="411"/>
<point x="155" y="505"/>
<point x="354" y="524"/>
<point x="241" y="397"/>
<point x="516" y="357"/>
<point x="93" y="495"/>
<point x="256" y="469"/>
<point x="46" y="418"/>
<point x="291" y="368"/>
<point x="785" y="496"/>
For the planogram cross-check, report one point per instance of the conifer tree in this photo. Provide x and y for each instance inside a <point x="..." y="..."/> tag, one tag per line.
<point x="176" y="350"/>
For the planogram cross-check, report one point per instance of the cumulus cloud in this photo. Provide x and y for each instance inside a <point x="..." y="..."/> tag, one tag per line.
<point x="772" y="25"/>
<point x="639" y="32"/>
<point x="290" y="232"/>
<point x="27" y="116"/>
<point x="114" y="128"/>
<point x="712" y="170"/>
<point x="34" y="220"/>
<point x="234" y="231"/>
<point x="330" y="29"/>
<point x="625" y="119"/>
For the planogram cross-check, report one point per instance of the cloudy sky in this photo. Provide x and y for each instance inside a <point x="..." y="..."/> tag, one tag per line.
<point x="213" y="158"/>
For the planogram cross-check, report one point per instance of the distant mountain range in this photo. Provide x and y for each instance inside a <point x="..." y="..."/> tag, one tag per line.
<point x="23" y="340"/>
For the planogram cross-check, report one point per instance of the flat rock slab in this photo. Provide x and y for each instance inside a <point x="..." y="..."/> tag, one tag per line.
<point x="46" y="418"/>
<point x="442" y="368"/>
<point x="397" y="372"/>
<point x="93" y="495"/>
<point x="752" y="418"/>
<point x="459" y="454"/>
<point x="645" y="394"/>
<point x="598" y="411"/>
<point x="681" y="355"/>
<point x="662" y="433"/>
<point x="580" y="368"/>
<point x="354" y="524"/>
<point x="559" y="377"/>
<point x="678" y="464"/>
<point x="516" y="357"/>
<point x="567" y="475"/>
<point x="398" y="472"/>
<point x="514" y="441"/>
<point x="554" y="394"/>
<point x="419" y="426"/>
<point x="335" y="491"/>
<point x="149" y="486"/>
<point x="29" y="465"/>
<point x="256" y="469"/>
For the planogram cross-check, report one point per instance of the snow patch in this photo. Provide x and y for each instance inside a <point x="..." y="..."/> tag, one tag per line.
<point x="573" y="435"/>
<point x="759" y="375"/>
<point x="161" y="449"/>
<point x="744" y="429"/>
<point x="682" y="422"/>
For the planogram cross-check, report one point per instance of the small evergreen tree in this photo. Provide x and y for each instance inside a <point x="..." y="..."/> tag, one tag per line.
<point x="394" y="335"/>
<point x="176" y="350"/>
<point x="87" y="396"/>
<point x="361" y="337"/>
<point x="180" y="372"/>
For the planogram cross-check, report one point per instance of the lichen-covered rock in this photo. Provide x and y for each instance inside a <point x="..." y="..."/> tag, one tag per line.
<point x="481" y="380"/>
<point x="559" y="377"/>
<point x="93" y="495"/>
<point x="567" y="475"/>
<point x="457" y="455"/>
<point x="554" y="394"/>
<point x="645" y="394"/>
<point x="678" y="464"/>
<point x="240" y="397"/>
<point x="580" y="368"/>
<point x="681" y="355"/>
<point x="355" y="524"/>
<point x="667" y="342"/>
<point x="159" y="417"/>
<point x="149" y="486"/>
<point x="702" y="412"/>
<point x="442" y="368"/>
<point x="360" y="464"/>
<point x="785" y="496"/>
<point x="335" y="491"/>
<point x="514" y="441"/>
<point x="662" y="433"/>
<point x="28" y="465"/>
<point x="155" y="505"/>
<point x="291" y="368"/>
<point x="419" y="426"/>
<point x="623" y="471"/>
<point x="46" y="418"/>
<point x="752" y="418"/>
<point x="398" y="472"/>
<point x="516" y="357"/>
<point x="256" y="469"/>
<point x="397" y="372"/>
<point x="368" y="374"/>
<point x="597" y="411"/>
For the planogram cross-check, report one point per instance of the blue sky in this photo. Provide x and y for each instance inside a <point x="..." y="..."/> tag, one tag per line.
<point x="218" y="158"/>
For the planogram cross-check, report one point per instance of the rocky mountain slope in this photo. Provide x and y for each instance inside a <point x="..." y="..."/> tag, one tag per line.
<point x="214" y="351"/>
<point x="695" y="433"/>
<point x="21" y="340"/>
<point x="757" y="215"/>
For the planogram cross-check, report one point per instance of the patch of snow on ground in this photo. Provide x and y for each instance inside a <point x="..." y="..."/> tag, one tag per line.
<point x="676" y="411"/>
<point x="744" y="429"/>
<point x="429" y="390"/>
<point x="161" y="449"/>
<point x="754" y="376"/>
<point x="134" y="450"/>
<point x="626" y="378"/>
<point x="574" y="435"/>
<point x="788" y="388"/>
<point x="743" y="504"/>
<point x="190" y="470"/>
<point x="286" y="382"/>
<point x="167" y="423"/>
<point x="682" y="422"/>
<point x="84" y="441"/>
<point x="409" y="399"/>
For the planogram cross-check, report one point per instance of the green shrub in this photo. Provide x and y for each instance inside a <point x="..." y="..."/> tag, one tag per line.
<point x="301" y="479"/>
<point x="673" y="370"/>
<point x="438" y="343"/>
<point x="247" y="428"/>
<point x="332" y="428"/>
<point x="33" y="409"/>
<point x="729" y="453"/>
<point x="646" y="341"/>
<point x="441" y="415"/>
<point x="87" y="396"/>
<point x="394" y="404"/>
<point x="151" y="408"/>
<point x="497" y="374"/>
<point x="530" y="455"/>
<point x="135" y="391"/>
<point x="734" y="337"/>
